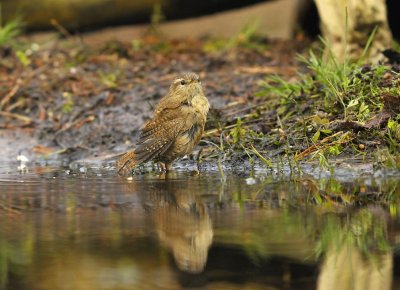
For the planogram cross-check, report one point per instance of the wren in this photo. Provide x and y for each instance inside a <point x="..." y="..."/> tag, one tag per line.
<point x="175" y="128"/>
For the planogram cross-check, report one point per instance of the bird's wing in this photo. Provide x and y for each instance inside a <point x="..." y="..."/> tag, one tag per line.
<point x="160" y="133"/>
<point x="156" y="137"/>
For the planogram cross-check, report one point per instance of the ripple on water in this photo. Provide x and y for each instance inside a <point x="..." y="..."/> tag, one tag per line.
<point x="66" y="227"/>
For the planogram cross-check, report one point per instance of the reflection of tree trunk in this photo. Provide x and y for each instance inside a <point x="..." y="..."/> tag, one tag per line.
<point x="348" y="34"/>
<point x="348" y="269"/>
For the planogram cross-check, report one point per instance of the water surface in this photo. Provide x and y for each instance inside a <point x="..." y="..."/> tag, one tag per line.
<point x="89" y="229"/>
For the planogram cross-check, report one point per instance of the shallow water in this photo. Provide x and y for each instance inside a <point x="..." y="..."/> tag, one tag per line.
<point x="88" y="229"/>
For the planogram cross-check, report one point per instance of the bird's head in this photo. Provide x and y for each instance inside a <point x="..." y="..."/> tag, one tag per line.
<point x="186" y="85"/>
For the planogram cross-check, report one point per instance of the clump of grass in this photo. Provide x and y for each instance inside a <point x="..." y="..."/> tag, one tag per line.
<point x="335" y="100"/>
<point x="348" y="91"/>
<point x="326" y="111"/>
<point x="156" y="18"/>
<point x="246" y="38"/>
<point x="109" y="80"/>
<point x="9" y="30"/>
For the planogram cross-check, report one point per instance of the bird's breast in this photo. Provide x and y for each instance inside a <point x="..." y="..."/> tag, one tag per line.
<point x="200" y="105"/>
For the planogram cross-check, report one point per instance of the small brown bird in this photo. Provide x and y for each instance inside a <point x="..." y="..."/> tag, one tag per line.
<point x="176" y="127"/>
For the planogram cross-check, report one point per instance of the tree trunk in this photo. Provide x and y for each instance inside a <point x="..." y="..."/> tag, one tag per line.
<point x="348" y="24"/>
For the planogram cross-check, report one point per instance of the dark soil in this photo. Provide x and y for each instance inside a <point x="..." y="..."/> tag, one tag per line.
<point x="73" y="101"/>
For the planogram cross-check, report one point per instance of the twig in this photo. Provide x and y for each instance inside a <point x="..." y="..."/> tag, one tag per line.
<point x="78" y="123"/>
<point x="241" y="110"/>
<point x="267" y="69"/>
<point x="248" y="122"/>
<point x="322" y="145"/>
<point x="60" y="28"/>
<point x="10" y="94"/>
<point x="16" y="116"/>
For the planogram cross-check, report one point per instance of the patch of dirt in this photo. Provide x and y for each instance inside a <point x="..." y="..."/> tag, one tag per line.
<point x="85" y="101"/>
<point x="15" y="142"/>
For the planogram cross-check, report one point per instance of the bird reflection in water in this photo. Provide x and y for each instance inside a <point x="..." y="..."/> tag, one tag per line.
<point x="181" y="221"/>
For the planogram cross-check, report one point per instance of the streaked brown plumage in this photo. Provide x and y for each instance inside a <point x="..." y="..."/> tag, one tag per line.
<point x="176" y="127"/>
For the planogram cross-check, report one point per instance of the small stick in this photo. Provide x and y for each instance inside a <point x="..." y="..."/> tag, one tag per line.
<point x="11" y="94"/>
<point x="315" y="147"/>
<point x="16" y="116"/>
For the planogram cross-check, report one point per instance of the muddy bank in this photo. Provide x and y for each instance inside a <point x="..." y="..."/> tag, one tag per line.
<point x="75" y="101"/>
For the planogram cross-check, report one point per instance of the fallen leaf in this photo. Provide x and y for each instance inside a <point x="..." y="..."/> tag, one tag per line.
<point x="39" y="149"/>
<point x="378" y="120"/>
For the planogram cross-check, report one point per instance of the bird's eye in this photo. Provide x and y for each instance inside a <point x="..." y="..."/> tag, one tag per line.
<point x="183" y="82"/>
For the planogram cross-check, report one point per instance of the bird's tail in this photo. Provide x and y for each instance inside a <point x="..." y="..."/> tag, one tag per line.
<point x="126" y="163"/>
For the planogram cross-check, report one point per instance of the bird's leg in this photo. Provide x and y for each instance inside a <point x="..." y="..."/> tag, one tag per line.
<point x="164" y="168"/>
<point x="198" y="160"/>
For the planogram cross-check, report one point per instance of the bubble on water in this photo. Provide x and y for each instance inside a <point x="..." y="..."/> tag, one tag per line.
<point x="22" y="158"/>
<point x="251" y="181"/>
<point x="22" y="167"/>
